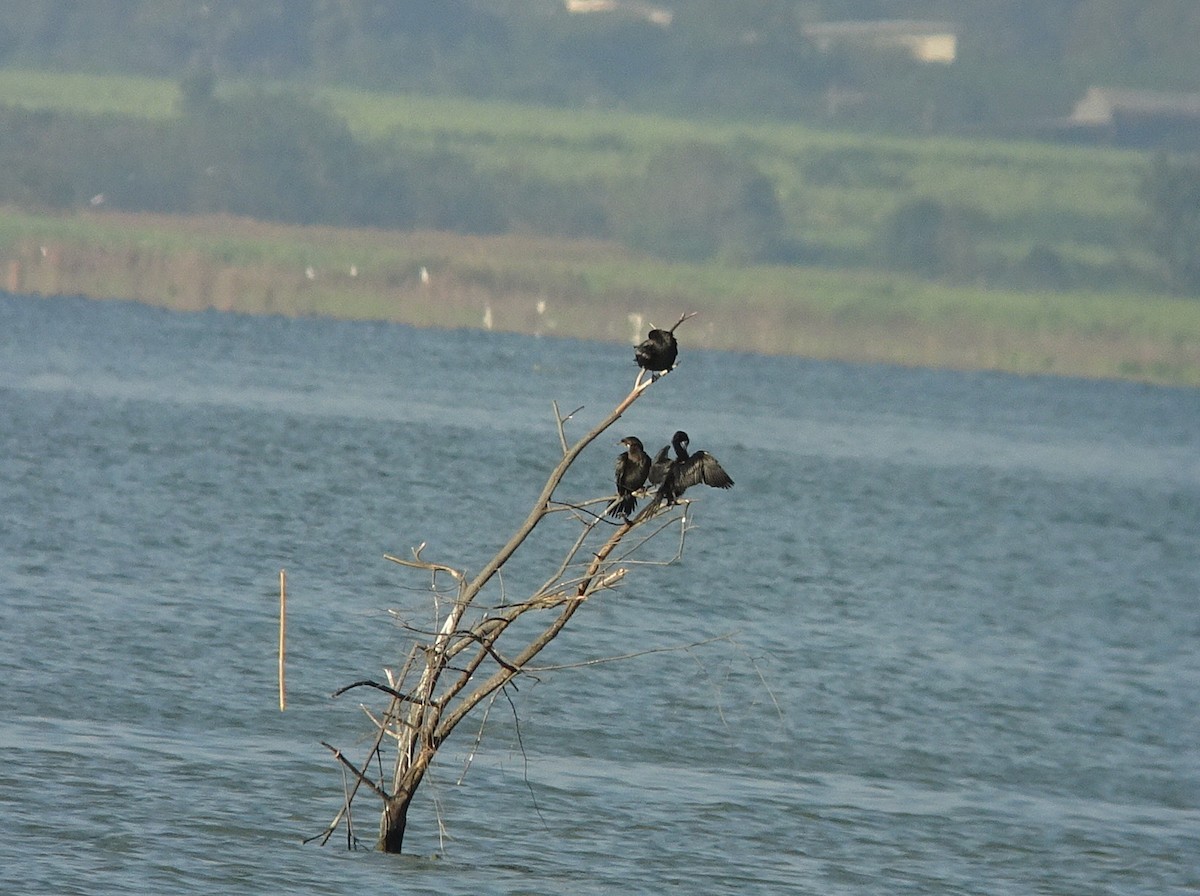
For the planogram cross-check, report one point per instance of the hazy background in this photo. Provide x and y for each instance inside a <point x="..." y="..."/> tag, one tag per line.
<point x="968" y="152"/>
<point x="1017" y="61"/>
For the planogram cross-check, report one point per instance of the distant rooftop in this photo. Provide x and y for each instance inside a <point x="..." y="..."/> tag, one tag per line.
<point x="1104" y="105"/>
<point x="924" y="41"/>
<point x="1145" y="119"/>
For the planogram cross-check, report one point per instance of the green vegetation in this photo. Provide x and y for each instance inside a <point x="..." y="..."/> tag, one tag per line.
<point x="1016" y="61"/>
<point x="1172" y="190"/>
<point x="1008" y="214"/>
<point x="941" y="252"/>
<point x="595" y="290"/>
<point x="89" y="94"/>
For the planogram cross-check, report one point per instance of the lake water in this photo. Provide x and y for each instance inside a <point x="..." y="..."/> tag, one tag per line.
<point x="962" y="609"/>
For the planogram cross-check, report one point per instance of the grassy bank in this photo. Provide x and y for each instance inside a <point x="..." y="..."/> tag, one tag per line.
<point x="594" y="290"/>
<point x="1025" y="212"/>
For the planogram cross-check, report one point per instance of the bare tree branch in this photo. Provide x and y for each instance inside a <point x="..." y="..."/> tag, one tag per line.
<point x="379" y="687"/>
<point x="560" y="421"/>
<point x="359" y="776"/>
<point x="455" y="663"/>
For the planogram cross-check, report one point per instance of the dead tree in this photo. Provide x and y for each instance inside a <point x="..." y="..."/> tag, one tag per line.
<point x="464" y="659"/>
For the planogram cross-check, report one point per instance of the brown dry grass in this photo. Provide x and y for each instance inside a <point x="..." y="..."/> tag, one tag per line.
<point x="587" y="290"/>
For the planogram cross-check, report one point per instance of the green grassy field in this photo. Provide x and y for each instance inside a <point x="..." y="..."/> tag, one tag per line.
<point x="91" y="94"/>
<point x="836" y="188"/>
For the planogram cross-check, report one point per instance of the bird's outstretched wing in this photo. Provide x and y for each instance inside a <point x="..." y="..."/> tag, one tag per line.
<point x="701" y="467"/>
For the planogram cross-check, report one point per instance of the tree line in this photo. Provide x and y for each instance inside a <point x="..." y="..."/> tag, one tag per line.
<point x="279" y="156"/>
<point x="1018" y="60"/>
<point x="282" y="157"/>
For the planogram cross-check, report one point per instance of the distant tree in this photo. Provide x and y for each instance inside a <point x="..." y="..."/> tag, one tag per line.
<point x="930" y="238"/>
<point x="274" y="156"/>
<point x="1045" y="267"/>
<point x="35" y="169"/>
<point x="698" y="201"/>
<point x="283" y="157"/>
<point x="618" y="61"/>
<point x="1171" y="191"/>
<point x="535" y="204"/>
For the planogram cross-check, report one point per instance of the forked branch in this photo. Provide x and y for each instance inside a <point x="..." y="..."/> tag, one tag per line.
<point x="432" y="696"/>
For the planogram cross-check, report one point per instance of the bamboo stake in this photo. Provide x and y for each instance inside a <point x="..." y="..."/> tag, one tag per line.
<point x="282" y="637"/>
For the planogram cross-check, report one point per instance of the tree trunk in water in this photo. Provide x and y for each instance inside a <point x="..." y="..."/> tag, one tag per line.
<point x="393" y="822"/>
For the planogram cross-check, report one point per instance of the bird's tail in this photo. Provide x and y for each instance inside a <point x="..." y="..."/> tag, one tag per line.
<point x="623" y="506"/>
<point x="656" y="503"/>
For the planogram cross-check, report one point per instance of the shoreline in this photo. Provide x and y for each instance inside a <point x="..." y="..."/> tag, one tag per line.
<point x="585" y="291"/>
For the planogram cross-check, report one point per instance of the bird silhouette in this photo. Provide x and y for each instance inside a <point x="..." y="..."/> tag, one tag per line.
<point x="631" y="469"/>
<point x="657" y="354"/>
<point x="683" y="472"/>
<point x="659" y="466"/>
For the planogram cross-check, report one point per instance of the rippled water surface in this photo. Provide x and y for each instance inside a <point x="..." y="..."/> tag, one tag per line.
<point x="961" y="617"/>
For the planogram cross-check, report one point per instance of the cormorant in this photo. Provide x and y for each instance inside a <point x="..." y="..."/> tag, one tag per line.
<point x="662" y="463"/>
<point x="658" y="353"/>
<point x="685" y="471"/>
<point x="631" y="470"/>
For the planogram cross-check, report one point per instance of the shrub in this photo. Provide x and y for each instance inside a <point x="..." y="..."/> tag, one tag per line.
<point x="1171" y="191"/>
<point x="698" y="202"/>
<point x="933" y="239"/>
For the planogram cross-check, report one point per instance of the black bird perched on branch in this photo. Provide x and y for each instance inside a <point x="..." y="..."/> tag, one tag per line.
<point x="684" y="472"/>
<point x="658" y="468"/>
<point x="658" y="353"/>
<point x="632" y="469"/>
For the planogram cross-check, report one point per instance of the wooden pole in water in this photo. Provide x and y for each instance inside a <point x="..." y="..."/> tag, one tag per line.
<point x="282" y="636"/>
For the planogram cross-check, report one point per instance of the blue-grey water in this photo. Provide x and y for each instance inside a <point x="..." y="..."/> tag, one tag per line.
<point x="962" y="609"/>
